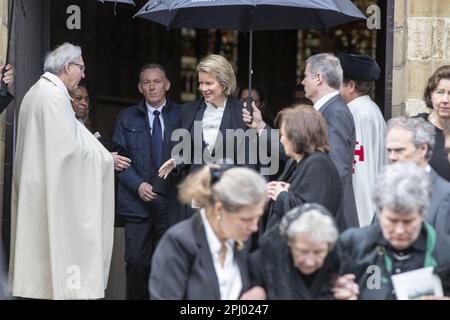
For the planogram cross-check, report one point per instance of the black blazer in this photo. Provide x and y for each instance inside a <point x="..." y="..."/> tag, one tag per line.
<point x="190" y="113"/>
<point x="313" y="179"/>
<point x="341" y="135"/>
<point x="182" y="266"/>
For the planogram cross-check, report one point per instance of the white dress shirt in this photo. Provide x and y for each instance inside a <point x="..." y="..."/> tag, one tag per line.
<point x="212" y="118"/>
<point x="151" y="116"/>
<point x="229" y="275"/>
<point x="319" y="103"/>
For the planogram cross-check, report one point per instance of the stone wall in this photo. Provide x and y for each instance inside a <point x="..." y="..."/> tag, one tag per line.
<point x="421" y="39"/>
<point x="3" y="41"/>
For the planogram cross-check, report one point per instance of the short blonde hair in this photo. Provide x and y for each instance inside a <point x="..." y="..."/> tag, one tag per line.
<point x="219" y="67"/>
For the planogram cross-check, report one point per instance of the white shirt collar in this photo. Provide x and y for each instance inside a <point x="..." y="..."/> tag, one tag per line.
<point x="428" y="168"/>
<point x="211" y="237"/>
<point x="152" y="109"/>
<point x="319" y="103"/>
<point x="220" y="108"/>
<point x="58" y="82"/>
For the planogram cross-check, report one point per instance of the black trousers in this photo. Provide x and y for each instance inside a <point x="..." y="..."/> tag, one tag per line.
<point x="141" y="238"/>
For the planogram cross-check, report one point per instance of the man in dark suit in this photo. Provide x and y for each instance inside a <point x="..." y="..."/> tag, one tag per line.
<point x="144" y="130"/>
<point x="413" y="139"/>
<point x="323" y="77"/>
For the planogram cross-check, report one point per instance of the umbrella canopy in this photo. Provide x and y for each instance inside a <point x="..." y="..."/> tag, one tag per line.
<point x="249" y="15"/>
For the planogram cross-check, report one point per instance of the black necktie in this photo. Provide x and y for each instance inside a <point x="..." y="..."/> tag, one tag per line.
<point x="157" y="140"/>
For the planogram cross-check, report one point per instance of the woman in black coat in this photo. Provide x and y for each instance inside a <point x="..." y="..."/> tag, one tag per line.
<point x="298" y="260"/>
<point x="202" y="130"/>
<point x="310" y="175"/>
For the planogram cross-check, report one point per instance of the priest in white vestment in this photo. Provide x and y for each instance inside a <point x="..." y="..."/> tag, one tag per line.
<point x="370" y="126"/>
<point x="62" y="210"/>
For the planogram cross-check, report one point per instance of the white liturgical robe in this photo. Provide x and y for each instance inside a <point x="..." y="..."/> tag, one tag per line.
<point x="370" y="154"/>
<point x="62" y="206"/>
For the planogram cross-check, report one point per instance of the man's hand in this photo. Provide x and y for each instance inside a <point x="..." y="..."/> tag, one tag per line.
<point x="274" y="188"/>
<point x="120" y="162"/>
<point x="167" y="168"/>
<point x="345" y="288"/>
<point x="9" y="75"/>
<point x="146" y="193"/>
<point x="255" y="122"/>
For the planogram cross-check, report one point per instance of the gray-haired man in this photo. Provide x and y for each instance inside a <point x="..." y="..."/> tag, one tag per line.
<point x="412" y="139"/>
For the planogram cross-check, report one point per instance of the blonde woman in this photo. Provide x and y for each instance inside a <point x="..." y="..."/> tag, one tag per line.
<point x="203" y="257"/>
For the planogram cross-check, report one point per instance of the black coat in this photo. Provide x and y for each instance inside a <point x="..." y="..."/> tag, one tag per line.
<point x="183" y="268"/>
<point x="272" y="267"/>
<point x="362" y="246"/>
<point x="313" y="179"/>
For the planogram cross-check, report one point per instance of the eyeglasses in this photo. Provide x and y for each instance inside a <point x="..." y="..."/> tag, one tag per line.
<point x="82" y="67"/>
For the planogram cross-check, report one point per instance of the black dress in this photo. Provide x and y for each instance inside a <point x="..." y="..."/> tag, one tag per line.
<point x="439" y="159"/>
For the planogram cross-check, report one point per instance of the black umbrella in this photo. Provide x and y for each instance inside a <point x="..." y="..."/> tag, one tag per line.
<point x="249" y="15"/>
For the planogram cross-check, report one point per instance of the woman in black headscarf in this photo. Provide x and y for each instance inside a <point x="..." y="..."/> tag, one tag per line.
<point x="298" y="260"/>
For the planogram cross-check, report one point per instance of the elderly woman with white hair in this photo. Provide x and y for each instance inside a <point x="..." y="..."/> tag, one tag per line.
<point x="401" y="240"/>
<point x="298" y="260"/>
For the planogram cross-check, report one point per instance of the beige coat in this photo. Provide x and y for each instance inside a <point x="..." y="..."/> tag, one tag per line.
<point x="62" y="211"/>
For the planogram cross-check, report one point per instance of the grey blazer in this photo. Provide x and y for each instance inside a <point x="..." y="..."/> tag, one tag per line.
<point x="182" y="266"/>
<point x="341" y="136"/>
<point x="438" y="214"/>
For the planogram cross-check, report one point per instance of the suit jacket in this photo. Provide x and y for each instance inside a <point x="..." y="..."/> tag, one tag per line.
<point x="132" y="131"/>
<point x="183" y="268"/>
<point x="313" y="179"/>
<point x="191" y="158"/>
<point x="341" y="135"/>
<point x="438" y="214"/>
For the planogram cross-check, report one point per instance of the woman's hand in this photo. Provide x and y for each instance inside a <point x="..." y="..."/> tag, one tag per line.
<point x="274" y="188"/>
<point x="167" y="168"/>
<point x="345" y="288"/>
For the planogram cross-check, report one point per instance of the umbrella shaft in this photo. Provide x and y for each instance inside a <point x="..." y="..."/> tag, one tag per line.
<point x="250" y="73"/>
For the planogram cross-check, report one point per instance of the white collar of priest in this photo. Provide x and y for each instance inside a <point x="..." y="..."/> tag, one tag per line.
<point x="58" y="83"/>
